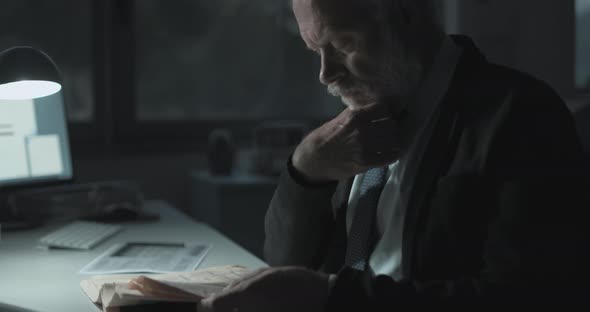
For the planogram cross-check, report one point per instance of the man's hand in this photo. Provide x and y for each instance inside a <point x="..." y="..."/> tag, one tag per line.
<point x="282" y="289"/>
<point x="354" y="142"/>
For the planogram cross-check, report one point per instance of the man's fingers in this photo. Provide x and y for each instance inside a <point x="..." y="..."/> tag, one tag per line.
<point x="247" y="278"/>
<point x="232" y="295"/>
<point x="356" y="117"/>
<point x="384" y="127"/>
<point x="364" y="122"/>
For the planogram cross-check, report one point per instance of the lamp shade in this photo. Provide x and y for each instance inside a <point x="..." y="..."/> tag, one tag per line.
<point x="27" y="73"/>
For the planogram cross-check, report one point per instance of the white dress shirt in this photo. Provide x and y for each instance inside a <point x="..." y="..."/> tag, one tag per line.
<point x="391" y="210"/>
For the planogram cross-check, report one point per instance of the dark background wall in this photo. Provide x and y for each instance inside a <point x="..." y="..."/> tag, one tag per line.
<point x="536" y="36"/>
<point x="162" y="176"/>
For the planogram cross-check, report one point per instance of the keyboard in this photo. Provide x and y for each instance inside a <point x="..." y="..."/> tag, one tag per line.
<point x="80" y="235"/>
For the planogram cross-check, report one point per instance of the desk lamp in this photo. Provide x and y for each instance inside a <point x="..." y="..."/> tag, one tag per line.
<point x="25" y="74"/>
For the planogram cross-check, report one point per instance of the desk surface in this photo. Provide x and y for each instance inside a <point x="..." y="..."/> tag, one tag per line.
<point x="40" y="280"/>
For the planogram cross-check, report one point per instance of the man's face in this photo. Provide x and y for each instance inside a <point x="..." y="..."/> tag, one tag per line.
<point x="359" y="60"/>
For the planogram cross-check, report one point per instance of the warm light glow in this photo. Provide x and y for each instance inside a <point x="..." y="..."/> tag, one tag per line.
<point x="28" y="89"/>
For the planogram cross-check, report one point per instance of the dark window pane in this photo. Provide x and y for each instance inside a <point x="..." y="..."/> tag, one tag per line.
<point x="583" y="43"/>
<point x="62" y="29"/>
<point x="225" y="60"/>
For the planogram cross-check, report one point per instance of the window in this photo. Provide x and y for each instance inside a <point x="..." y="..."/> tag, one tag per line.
<point x="583" y="44"/>
<point x="62" y="29"/>
<point x="224" y="60"/>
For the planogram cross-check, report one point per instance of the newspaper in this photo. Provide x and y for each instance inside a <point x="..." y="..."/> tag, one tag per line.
<point x="112" y="292"/>
<point x="147" y="257"/>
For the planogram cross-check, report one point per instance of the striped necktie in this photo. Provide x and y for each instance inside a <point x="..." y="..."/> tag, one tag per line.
<point x="359" y="238"/>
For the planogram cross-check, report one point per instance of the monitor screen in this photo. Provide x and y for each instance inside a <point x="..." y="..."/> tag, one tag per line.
<point x="34" y="144"/>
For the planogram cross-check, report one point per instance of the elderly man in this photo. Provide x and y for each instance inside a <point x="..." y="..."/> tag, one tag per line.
<point x="446" y="179"/>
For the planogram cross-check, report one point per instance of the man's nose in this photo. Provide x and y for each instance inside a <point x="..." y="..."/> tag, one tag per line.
<point x="331" y="70"/>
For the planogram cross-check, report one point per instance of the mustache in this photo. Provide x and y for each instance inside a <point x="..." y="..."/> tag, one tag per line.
<point x="344" y="88"/>
<point x="387" y="82"/>
<point x="335" y="89"/>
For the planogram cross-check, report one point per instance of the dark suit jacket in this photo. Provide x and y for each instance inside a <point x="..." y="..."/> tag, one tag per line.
<point x="496" y="214"/>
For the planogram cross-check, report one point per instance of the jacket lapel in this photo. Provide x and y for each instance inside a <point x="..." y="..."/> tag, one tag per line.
<point x="440" y="149"/>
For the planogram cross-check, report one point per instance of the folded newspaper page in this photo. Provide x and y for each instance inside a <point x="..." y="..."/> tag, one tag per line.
<point x="147" y="257"/>
<point x="111" y="292"/>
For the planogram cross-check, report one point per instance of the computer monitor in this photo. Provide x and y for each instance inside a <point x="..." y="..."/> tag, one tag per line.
<point x="34" y="144"/>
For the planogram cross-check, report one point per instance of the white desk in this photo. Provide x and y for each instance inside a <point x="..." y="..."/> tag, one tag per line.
<point x="40" y="280"/>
